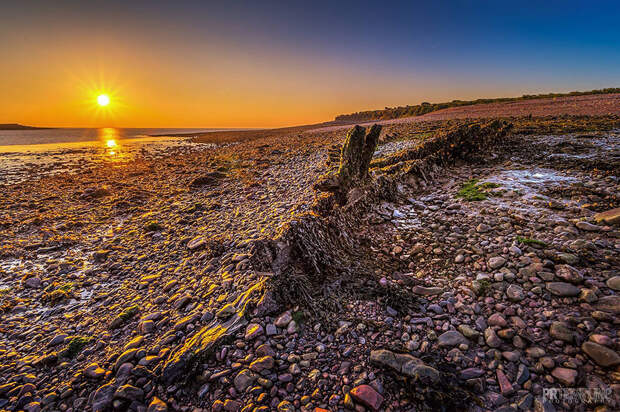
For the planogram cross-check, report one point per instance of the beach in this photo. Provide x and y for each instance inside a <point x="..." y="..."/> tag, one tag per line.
<point x="162" y="278"/>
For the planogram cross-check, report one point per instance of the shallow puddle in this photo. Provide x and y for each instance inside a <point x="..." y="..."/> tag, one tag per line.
<point x="529" y="182"/>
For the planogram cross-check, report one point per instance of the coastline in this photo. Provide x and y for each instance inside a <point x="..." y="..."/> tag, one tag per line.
<point x="123" y="265"/>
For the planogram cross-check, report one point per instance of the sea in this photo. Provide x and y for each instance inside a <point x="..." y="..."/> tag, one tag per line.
<point x="29" y="154"/>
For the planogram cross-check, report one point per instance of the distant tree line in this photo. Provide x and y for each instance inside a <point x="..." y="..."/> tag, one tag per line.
<point x="425" y="107"/>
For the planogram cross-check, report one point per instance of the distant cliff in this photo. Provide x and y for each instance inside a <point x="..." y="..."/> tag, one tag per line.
<point x="15" y="126"/>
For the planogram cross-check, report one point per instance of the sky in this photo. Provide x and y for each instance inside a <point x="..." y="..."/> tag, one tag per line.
<point x="268" y="63"/>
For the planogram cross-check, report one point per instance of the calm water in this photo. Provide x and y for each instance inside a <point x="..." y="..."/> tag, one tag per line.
<point x="75" y="135"/>
<point x="29" y="154"/>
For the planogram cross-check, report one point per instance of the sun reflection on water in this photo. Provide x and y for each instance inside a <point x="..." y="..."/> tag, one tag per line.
<point x="109" y="137"/>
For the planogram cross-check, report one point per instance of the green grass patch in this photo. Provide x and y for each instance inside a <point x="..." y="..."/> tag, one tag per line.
<point x="298" y="317"/>
<point x="129" y="313"/>
<point x="489" y="185"/>
<point x="125" y="316"/>
<point x="530" y="241"/>
<point x="485" y="285"/>
<point x="471" y="191"/>
<point x="75" y="346"/>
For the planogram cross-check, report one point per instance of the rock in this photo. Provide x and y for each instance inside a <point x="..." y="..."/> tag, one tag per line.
<point x="611" y="217"/>
<point x="560" y="331"/>
<point x="468" y="331"/>
<point x="504" y="384"/>
<point x="130" y="393"/>
<point x="426" y="291"/>
<point x="244" y="379"/>
<point x="609" y="304"/>
<point x="613" y="283"/>
<point x="515" y="293"/>
<point x="565" y="376"/>
<point x="233" y="406"/>
<point x="292" y="327"/>
<point x="563" y="289"/>
<point x="568" y="258"/>
<point x="367" y="396"/>
<point x="602" y="340"/>
<point x="93" y="371"/>
<point x="491" y="338"/>
<point x="569" y="274"/>
<point x="265" y="350"/>
<point x="471" y="373"/>
<point x="451" y="338"/>
<point x="196" y="243"/>
<point x="523" y="374"/>
<point x="260" y="364"/>
<point x="588" y="227"/>
<point x="603" y="356"/>
<point x="228" y="310"/>
<point x="33" y="282"/>
<point x="124" y="357"/>
<point x="405" y="364"/>
<point x="147" y="326"/>
<point x="103" y="397"/>
<point x="252" y="331"/>
<point x="271" y="329"/>
<point x="284" y="319"/>
<point x="535" y="352"/>
<point x="286" y="406"/>
<point x="588" y="295"/>
<point x="496" y="262"/>
<point x="497" y="319"/>
<point x="483" y="228"/>
<point x="57" y="340"/>
<point x="157" y="405"/>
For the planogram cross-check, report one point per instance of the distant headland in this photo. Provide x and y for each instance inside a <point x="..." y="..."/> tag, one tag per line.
<point x="16" y="126"/>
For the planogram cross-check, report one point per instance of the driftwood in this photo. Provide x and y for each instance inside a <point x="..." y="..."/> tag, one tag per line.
<point x="355" y="158"/>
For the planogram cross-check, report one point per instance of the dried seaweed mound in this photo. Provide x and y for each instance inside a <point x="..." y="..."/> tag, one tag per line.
<point x="316" y="256"/>
<point x="462" y="142"/>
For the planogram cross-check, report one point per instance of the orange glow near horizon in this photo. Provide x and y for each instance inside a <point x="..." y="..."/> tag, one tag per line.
<point x="221" y="88"/>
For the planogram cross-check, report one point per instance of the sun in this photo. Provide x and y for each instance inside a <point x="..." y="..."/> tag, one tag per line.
<point x="103" y="100"/>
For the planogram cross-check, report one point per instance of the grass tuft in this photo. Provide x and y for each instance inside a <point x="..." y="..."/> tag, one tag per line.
<point x="75" y="346"/>
<point x="471" y="191"/>
<point x="530" y="241"/>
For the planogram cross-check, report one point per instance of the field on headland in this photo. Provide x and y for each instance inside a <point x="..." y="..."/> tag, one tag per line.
<point x="472" y="267"/>
<point x="588" y="105"/>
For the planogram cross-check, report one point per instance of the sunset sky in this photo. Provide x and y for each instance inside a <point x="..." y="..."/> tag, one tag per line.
<point x="263" y="63"/>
